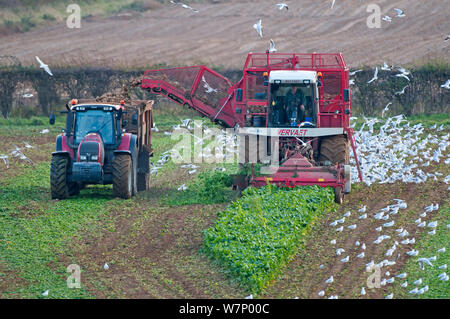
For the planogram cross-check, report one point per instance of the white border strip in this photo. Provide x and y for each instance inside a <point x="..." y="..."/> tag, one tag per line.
<point x="295" y="131"/>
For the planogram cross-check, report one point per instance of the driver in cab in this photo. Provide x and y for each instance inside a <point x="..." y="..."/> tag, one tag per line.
<point x="295" y="102"/>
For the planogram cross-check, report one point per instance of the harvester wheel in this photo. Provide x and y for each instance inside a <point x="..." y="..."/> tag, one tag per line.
<point x="335" y="149"/>
<point x="338" y="195"/>
<point x="122" y="169"/>
<point x="58" y="177"/>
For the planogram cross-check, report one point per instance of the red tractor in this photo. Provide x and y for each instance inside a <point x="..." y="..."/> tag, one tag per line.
<point x="291" y="109"/>
<point x="103" y="143"/>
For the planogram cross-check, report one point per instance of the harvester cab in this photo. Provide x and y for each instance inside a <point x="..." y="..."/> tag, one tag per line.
<point x="95" y="148"/>
<point x="293" y="98"/>
<point x="291" y="111"/>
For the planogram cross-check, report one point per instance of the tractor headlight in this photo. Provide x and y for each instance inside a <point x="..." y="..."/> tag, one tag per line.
<point x="94" y="158"/>
<point x="83" y="157"/>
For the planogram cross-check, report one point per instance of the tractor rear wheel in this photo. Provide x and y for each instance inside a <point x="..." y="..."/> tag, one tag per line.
<point x="335" y="149"/>
<point x="123" y="176"/>
<point x="58" y="177"/>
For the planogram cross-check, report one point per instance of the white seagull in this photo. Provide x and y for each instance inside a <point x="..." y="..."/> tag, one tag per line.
<point x="400" y="13"/>
<point x="375" y="76"/>
<point x="281" y="6"/>
<point x="386" y="108"/>
<point x="184" y="6"/>
<point x="401" y="92"/>
<point x="44" y="66"/>
<point x="258" y="27"/>
<point x="272" y="47"/>
<point x="446" y="85"/>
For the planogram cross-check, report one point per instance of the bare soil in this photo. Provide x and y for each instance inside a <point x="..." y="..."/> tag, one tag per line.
<point x="222" y="34"/>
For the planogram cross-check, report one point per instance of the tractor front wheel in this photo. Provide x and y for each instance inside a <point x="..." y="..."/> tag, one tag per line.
<point x="58" y="177"/>
<point x="123" y="176"/>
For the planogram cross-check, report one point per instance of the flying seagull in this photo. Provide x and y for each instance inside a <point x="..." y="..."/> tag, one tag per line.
<point x="387" y="18"/>
<point x="44" y="66"/>
<point x="272" y="47"/>
<point x="258" y="28"/>
<point x="184" y="6"/>
<point x="385" y="67"/>
<point x="27" y="95"/>
<point x="401" y="92"/>
<point x="447" y="38"/>
<point x="375" y="76"/>
<point x="354" y="72"/>
<point x="403" y="75"/>
<point x="400" y="13"/>
<point x="446" y="85"/>
<point x="208" y="88"/>
<point x="386" y="108"/>
<point x="281" y="6"/>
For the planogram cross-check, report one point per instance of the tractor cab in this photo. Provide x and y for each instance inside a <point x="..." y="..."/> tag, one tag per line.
<point x="101" y="119"/>
<point x="289" y="90"/>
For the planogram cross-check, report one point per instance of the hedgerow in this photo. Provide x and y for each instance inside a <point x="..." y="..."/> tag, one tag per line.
<point x="257" y="235"/>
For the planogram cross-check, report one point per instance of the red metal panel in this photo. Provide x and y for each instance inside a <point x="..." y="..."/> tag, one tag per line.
<point x="125" y="142"/>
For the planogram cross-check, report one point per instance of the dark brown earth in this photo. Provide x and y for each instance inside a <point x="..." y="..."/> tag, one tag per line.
<point x="222" y="34"/>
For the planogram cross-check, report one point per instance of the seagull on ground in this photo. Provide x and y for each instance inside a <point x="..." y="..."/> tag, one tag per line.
<point x="184" y="6"/>
<point x="400" y="13"/>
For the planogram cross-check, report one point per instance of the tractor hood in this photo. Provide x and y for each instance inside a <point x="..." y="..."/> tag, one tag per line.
<point x="292" y="76"/>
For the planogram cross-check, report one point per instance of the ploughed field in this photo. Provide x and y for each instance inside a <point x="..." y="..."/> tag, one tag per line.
<point x="191" y="236"/>
<point x="222" y="34"/>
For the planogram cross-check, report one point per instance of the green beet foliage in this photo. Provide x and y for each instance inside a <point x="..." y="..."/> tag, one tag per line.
<point x="257" y="235"/>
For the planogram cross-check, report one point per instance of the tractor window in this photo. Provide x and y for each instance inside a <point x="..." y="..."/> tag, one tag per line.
<point x="254" y="86"/>
<point x="94" y="121"/>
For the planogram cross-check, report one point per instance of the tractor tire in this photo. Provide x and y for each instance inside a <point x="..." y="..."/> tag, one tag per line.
<point x="122" y="169"/>
<point x="338" y="195"/>
<point x="58" y="177"/>
<point x="335" y="149"/>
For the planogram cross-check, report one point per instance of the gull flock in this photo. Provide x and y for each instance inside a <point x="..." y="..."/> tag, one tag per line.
<point x="395" y="245"/>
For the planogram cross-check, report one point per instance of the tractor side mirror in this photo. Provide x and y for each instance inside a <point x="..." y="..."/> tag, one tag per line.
<point x="134" y="119"/>
<point x="238" y="95"/>
<point x="346" y="95"/>
<point x="51" y="119"/>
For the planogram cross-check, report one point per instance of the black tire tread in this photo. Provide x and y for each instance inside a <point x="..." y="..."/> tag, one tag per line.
<point x="121" y="166"/>
<point x="58" y="177"/>
<point x="335" y="149"/>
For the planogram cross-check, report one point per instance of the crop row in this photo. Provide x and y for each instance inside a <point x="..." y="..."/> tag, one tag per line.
<point x="257" y="235"/>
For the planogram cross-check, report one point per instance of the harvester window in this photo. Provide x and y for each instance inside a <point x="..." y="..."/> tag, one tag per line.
<point x="94" y="121"/>
<point x="254" y="86"/>
<point x="286" y="106"/>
